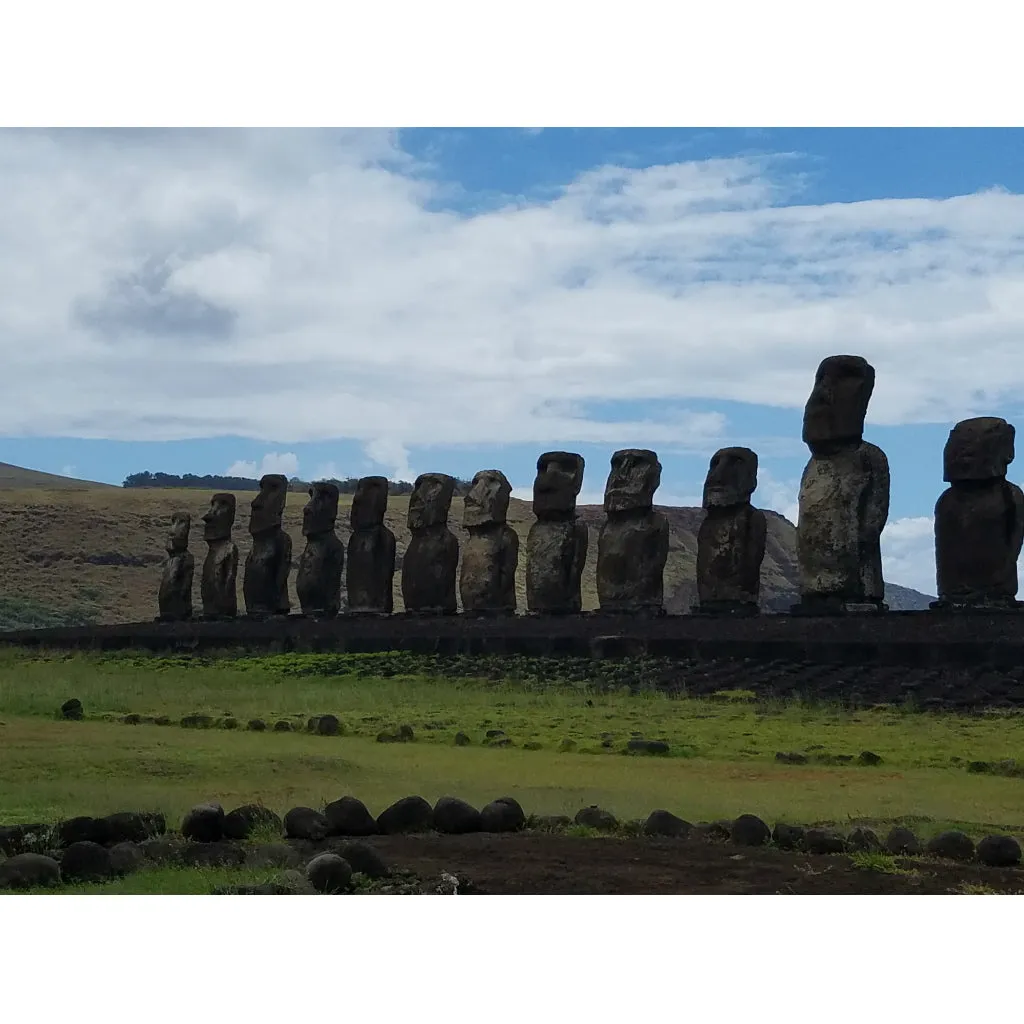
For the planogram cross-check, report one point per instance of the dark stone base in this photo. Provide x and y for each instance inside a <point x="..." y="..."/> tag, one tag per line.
<point x="976" y="607"/>
<point x="490" y="613"/>
<point x="173" y="618"/>
<point x="738" y="609"/>
<point x="820" y="606"/>
<point x="648" y="612"/>
<point x="426" y="613"/>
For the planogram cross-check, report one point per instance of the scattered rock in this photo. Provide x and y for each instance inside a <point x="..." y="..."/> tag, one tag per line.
<point x="455" y="816"/>
<point x="787" y="837"/>
<point x="493" y="734"/>
<point x="72" y="710"/>
<point x="665" y="823"/>
<point x="792" y="757"/>
<point x="272" y="855"/>
<point x="162" y="720"/>
<point x="864" y="840"/>
<point x="596" y="818"/>
<point x="502" y="815"/>
<point x="566" y="746"/>
<point x="28" y="870"/>
<point x="86" y="862"/>
<point x="162" y="849"/>
<point x="901" y="842"/>
<point x="257" y="725"/>
<point x="131" y="719"/>
<point x="714" y="832"/>
<point x="750" y="830"/>
<point x="349" y="817"/>
<point x="533" y="745"/>
<point x="197" y="722"/>
<point x="204" y="823"/>
<point x="869" y="758"/>
<point x="364" y="859"/>
<point x="328" y="725"/>
<point x="462" y="740"/>
<point x="999" y="851"/>
<point x="823" y="841"/>
<point x="15" y="839"/>
<point x="133" y="826"/>
<point x="637" y="746"/>
<point x="403" y="734"/>
<point x="305" y="823"/>
<point x="243" y="821"/>
<point x="951" y="845"/>
<point x="329" y="873"/>
<point x="213" y="855"/>
<point x="283" y="726"/>
<point x="979" y="767"/>
<point x="81" y="830"/>
<point x="126" y="858"/>
<point x="229" y="723"/>
<point x="410" y="814"/>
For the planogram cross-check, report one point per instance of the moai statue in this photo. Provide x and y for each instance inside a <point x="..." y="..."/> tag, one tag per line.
<point x="265" y="586"/>
<point x="220" y="570"/>
<point x="844" y="495"/>
<point x="432" y="558"/>
<point x="176" y="584"/>
<point x="979" y="519"/>
<point x="318" y="577"/>
<point x="487" y="580"/>
<point x="371" y="551"/>
<point x="632" y="546"/>
<point x="731" y="539"/>
<point x="556" y="546"/>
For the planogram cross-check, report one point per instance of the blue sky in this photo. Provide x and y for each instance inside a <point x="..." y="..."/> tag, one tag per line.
<point x="354" y="302"/>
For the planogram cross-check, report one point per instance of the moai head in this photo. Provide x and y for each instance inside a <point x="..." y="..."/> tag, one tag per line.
<point x="177" y="536"/>
<point x="430" y="501"/>
<point x="978" y="449"/>
<point x="731" y="479"/>
<point x="369" y="503"/>
<point x="321" y="511"/>
<point x="635" y="476"/>
<point x="487" y="500"/>
<point x="557" y="484"/>
<point x="834" y="414"/>
<point x="267" y="508"/>
<point x="217" y="522"/>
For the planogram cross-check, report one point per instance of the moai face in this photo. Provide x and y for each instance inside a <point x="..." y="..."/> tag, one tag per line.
<point x="487" y="500"/>
<point x="557" y="484"/>
<point x="321" y="511"/>
<point x="177" y="536"/>
<point x="431" y="500"/>
<point x="635" y="476"/>
<point x="369" y="503"/>
<point x="978" y="449"/>
<point x="267" y="508"/>
<point x="834" y="414"/>
<point x="220" y="518"/>
<point x="731" y="479"/>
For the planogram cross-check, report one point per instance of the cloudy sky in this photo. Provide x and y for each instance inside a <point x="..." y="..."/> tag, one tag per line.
<point x="334" y="302"/>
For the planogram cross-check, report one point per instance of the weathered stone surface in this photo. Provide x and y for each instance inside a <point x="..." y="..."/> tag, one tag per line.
<point x="72" y="710"/>
<point x="329" y="873"/>
<point x="410" y="814"/>
<point x="431" y="560"/>
<point x="204" y="823"/>
<point x="85" y="862"/>
<point x="999" y="851"/>
<point x="665" y="823"/>
<point x="951" y="845"/>
<point x="273" y="855"/>
<point x="305" y="823"/>
<point x="175" y="594"/>
<point x="371" y="551"/>
<point x="750" y="830"/>
<point x="902" y="842"/>
<point x="166" y="849"/>
<point x="823" y="841"/>
<point x="243" y="821"/>
<point x="265" y="586"/>
<point x="213" y="855"/>
<point x="642" y="746"/>
<point x="133" y="826"/>
<point x="596" y="818"/>
<point x="29" y="871"/>
<point x="364" y="859"/>
<point x="318" y="577"/>
<point x="864" y="840"/>
<point x="502" y="815"/>
<point x="328" y="725"/>
<point x="787" y="837"/>
<point x="220" y="570"/>
<point x="979" y="519"/>
<point x="490" y="555"/>
<point x="126" y="858"/>
<point x="632" y="545"/>
<point x="455" y="816"/>
<point x="349" y="817"/>
<point x="844" y="494"/>
<point x="556" y="546"/>
<point x="81" y="830"/>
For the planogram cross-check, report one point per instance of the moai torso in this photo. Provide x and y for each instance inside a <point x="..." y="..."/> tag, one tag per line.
<point x="632" y="546"/>
<point x="318" y="577"/>
<point x="979" y="519"/>
<point x="371" y="551"/>
<point x="220" y="568"/>
<point x="431" y="560"/>
<point x="556" y="546"/>
<point x="175" y="597"/>
<point x="487" y="579"/>
<point x="265" y="586"/>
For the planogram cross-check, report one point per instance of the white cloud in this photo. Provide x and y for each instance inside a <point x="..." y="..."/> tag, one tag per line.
<point x="304" y="285"/>
<point x="273" y="462"/>
<point x="392" y="455"/>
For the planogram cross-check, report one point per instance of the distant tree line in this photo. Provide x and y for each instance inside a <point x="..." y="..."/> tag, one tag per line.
<point x="241" y="483"/>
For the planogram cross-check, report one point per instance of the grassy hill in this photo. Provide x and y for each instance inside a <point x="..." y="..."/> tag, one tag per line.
<point x="73" y="552"/>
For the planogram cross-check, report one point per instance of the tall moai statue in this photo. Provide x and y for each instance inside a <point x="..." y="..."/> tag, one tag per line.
<point x="371" y="551"/>
<point x="979" y="519"/>
<point x="731" y="539"/>
<point x="556" y="546"/>
<point x="265" y="586"/>
<point x="318" y="577"/>
<point x="432" y="558"/>
<point x="220" y="569"/>
<point x="487" y="579"/>
<point x="175" y="597"/>
<point x="632" y="545"/>
<point x="844" y="495"/>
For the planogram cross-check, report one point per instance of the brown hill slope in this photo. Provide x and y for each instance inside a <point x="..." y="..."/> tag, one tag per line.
<point x="95" y="554"/>
<point x="17" y="478"/>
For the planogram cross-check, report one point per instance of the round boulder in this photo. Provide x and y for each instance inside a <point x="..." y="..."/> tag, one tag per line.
<point x="213" y="855"/>
<point x="665" y="823"/>
<point x="29" y="871"/>
<point x="349" y="817"/>
<point x="126" y="858"/>
<point x="162" y="849"/>
<point x="364" y="859"/>
<point x="133" y="826"/>
<point x="410" y="814"/>
<point x="86" y="862"/>
<point x="596" y="818"/>
<point x="455" y="816"/>
<point x="864" y="840"/>
<point x="999" y="851"/>
<point x="901" y="842"/>
<point x="502" y="815"/>
<point x="204" y="823"/>
<point x="328" y="725"/>
<point x="243" y="821"/>
<point x="81" y="830"/>
<point x="749" y="830"/>
<point x="823" y="841"/>
<point x="787" y="837"/>
<point x="329" y="873"/>
<point x="305" y="823"/>
<point x="951" y="845"/>
<point x="72" y="710"/>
